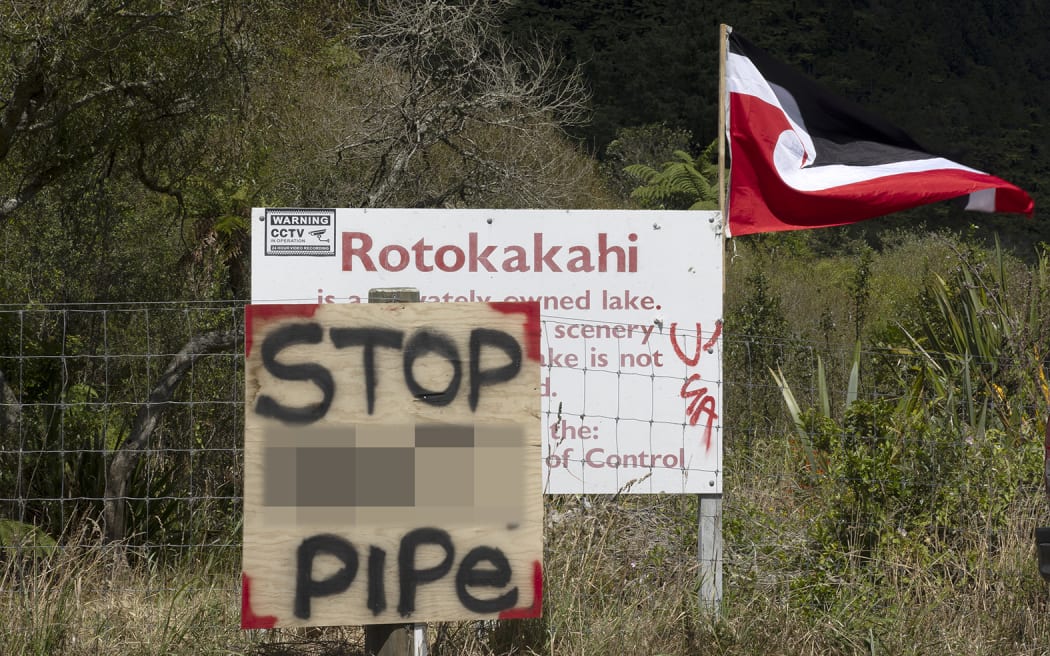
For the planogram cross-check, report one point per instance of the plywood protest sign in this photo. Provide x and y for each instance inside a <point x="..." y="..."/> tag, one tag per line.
<point x="392" y="464"/>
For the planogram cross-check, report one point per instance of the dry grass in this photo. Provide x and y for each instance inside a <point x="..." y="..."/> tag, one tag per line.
<point x="621" y="579"/>
<point x="95" y="599"/>
<point x="79" y="600"/>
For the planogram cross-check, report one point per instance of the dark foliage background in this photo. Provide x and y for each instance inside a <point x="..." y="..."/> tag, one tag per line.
<point x="968" y="79"/>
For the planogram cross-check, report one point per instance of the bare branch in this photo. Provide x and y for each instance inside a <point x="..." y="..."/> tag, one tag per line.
<point x="442" y="70"/>
<point x="10" y="410"/>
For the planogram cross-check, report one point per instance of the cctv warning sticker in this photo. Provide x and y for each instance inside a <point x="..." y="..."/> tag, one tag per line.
<point x="308" y="232"/>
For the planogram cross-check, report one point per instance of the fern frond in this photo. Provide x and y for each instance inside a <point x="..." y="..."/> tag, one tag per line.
<point x="683" y="182"/>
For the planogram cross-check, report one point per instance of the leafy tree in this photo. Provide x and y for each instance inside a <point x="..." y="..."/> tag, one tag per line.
<point x="136" y="138"/>
<point x="642" y="62"/>
<point x="105" y="88"/>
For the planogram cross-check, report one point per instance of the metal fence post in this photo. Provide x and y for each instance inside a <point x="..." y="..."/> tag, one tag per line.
<point x="709" y="552"/>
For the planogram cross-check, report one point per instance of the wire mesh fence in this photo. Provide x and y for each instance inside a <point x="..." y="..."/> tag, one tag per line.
<point x="136" y="407"/>
<point x="129" y="419"/>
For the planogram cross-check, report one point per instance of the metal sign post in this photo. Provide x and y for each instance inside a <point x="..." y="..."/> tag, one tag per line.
<point x="709" y="552"/>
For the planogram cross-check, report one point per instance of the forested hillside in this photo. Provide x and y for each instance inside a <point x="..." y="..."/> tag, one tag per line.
<point x="123" y="121"/>
<point x="970" y="80"/>
<point x="135" y="137"/>
<point x="885" y="384"/>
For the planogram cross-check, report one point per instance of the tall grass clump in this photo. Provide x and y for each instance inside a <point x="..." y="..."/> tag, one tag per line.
<point x="89" y="597"/>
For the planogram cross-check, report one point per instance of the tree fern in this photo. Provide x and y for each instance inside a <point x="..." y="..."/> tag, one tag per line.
<point x="682" y="183"/>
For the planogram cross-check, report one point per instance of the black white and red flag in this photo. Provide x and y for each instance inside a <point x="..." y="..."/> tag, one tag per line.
<point x="804" y="158"/>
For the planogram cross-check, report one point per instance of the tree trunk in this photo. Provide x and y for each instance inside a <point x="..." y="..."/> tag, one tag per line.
<point x="127" y="455"/>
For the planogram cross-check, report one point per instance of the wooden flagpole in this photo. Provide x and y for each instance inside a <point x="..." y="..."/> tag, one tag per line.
<point x="709" y="512"/>
<point x="723" y="37"/>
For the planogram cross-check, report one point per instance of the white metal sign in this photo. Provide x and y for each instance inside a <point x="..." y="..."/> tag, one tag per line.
<point x="631" y="310"/>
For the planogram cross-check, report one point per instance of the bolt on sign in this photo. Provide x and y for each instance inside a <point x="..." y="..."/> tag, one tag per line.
<point x="631" y="318"/>
<point x="392" y="464"/>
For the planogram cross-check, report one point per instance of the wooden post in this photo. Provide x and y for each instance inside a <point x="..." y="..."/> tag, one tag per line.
<point x="394" y="639"/>
<point x="388" y="639"/>
<point x="723" y="36"/>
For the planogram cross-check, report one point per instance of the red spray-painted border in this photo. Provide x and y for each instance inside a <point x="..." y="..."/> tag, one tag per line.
<point x="253" y="313"/>
<point x="536" y="609"/>
<point x="249" y="620"/>
<point x="531" y="310"/>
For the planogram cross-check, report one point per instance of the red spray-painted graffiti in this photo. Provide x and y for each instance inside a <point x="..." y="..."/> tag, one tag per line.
<point x="699" y="400"/>
<point x="695" y="359"/>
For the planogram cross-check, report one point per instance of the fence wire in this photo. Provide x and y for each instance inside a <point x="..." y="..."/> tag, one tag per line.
<point x="79" y="385"/>
<point x="162" y="384"/>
